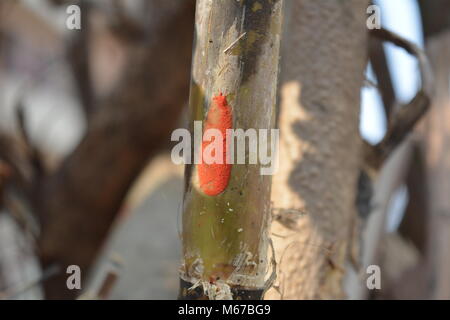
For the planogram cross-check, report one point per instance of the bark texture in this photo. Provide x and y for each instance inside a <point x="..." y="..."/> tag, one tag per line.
<point x="323" y="66"/>
<point x="225" y="235"/>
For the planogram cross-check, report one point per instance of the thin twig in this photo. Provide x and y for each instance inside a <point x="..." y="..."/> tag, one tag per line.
<point x="108" y="285"/>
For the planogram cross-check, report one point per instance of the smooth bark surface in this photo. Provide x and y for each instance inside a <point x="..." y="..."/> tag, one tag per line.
<point x="225" y="236"/>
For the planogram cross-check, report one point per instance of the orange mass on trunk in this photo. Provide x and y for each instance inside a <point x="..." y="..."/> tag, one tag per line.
<point x="214" y="177"/>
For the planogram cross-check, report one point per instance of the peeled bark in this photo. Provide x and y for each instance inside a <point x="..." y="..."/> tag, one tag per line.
<point x="323" y="66"/>
<point x="225" y="238"/>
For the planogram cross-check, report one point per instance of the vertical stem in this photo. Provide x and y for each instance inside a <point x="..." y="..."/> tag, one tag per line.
<point x="225" y="235"/>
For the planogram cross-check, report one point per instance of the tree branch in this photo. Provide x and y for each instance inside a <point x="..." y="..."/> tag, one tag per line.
<point x="379" y="65"/>
<point x="80" y="200"/>
<point x="404" y="120"/>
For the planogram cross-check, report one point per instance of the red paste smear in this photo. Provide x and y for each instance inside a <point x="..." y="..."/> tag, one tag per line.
<point x="214" y="177"/>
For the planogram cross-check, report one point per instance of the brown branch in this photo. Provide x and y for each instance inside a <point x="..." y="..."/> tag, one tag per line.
<point x="22" y="169"/>
<point x="33" y="154"/>
<point x="80" y="201"/>
<point x="16" y="182"/>
<point x="404" y="120"/>
<point x="18" y="176"/>
<point x="379" y="65"/>
<point x="14" y="156"/>
<point x="78" y="58"/>
<point x="107" y="285"/>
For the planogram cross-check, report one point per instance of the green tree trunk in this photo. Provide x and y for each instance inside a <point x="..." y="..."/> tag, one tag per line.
<point x="225" y="236"/>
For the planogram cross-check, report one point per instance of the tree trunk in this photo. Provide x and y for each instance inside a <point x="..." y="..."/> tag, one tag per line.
<point x="225" y="237"/>
<point x="323" y="65"/>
